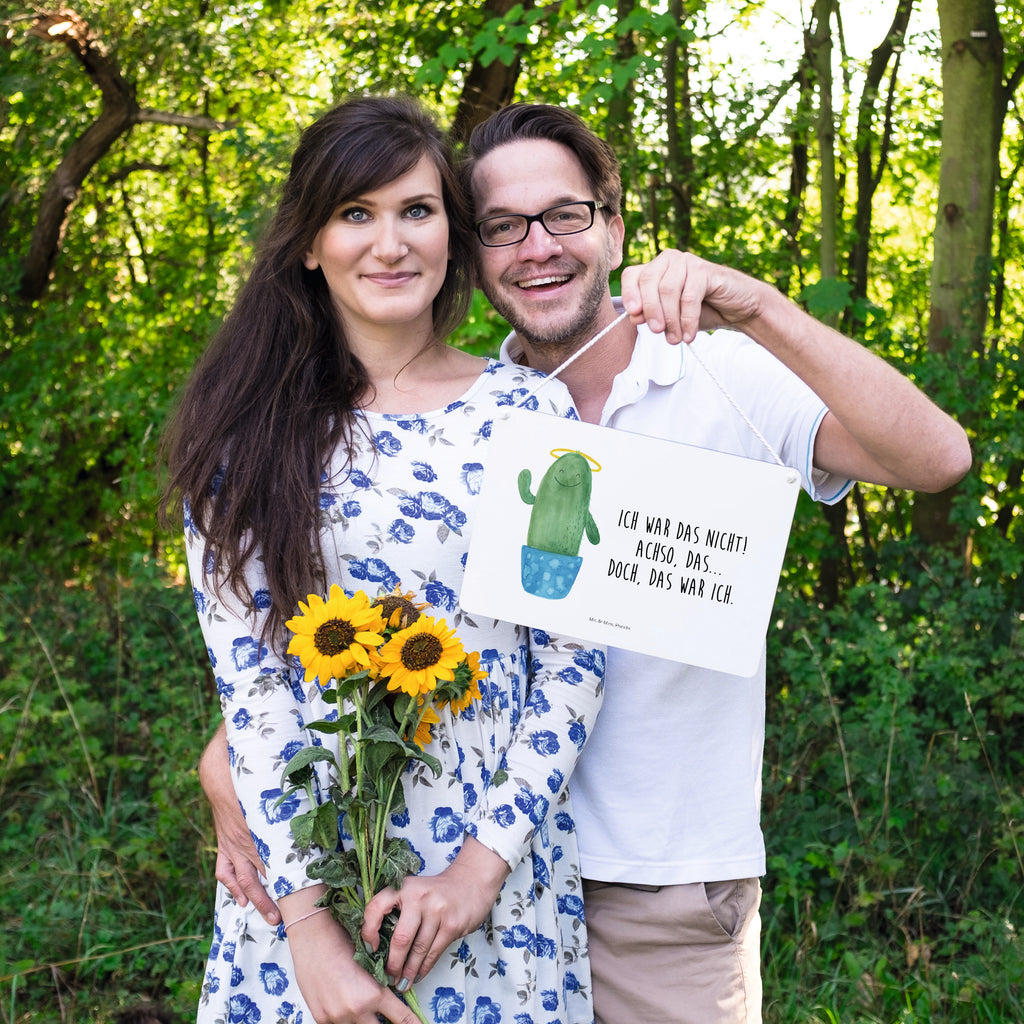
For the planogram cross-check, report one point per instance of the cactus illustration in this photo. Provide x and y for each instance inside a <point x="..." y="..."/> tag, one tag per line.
<point x="561" y="508"/>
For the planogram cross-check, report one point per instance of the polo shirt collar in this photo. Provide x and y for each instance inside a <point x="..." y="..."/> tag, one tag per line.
<point x="653" y="361"/>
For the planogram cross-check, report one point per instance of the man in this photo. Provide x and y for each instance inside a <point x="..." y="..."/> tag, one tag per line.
<point x="667" y="792"/>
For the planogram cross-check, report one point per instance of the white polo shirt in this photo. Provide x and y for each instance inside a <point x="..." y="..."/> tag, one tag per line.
<point x="668" y="789"/>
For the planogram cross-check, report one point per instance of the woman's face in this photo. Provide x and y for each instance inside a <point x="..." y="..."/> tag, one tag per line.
<point x="385" y="254"/>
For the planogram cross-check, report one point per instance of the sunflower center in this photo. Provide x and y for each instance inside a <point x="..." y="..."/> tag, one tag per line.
<point x="334" y="636"/>
<point x="421" y="651"/>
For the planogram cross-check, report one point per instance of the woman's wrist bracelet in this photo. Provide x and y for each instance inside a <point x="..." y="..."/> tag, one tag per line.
<point x="312" y="913"/>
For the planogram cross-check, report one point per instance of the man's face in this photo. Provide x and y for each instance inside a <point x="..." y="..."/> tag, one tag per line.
<point x="552" y="289"/>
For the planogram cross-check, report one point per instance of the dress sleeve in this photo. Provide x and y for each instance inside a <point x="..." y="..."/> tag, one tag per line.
<point x="565" y="693"/>
<point x="263" y="705"/>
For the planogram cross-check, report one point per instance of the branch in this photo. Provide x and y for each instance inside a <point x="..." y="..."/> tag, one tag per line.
<point x="487" y="89"/>
<point x="117" y="115"/>
<point x="119" y="112"/>
<point x="206" y="124"/>
<point x="1013" y="80"/>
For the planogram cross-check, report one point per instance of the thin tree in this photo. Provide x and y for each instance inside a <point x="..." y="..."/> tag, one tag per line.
<point x="119" y="113"/>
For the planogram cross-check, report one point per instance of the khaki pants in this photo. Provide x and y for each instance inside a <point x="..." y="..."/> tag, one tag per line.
<point x="675" y="954"/>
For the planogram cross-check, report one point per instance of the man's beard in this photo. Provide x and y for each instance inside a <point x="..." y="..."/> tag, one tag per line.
<point x="569" y="335"/>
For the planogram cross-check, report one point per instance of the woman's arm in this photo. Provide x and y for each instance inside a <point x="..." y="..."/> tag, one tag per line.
<point x="263" y="715"/>
<point x="565" y="693"/>
<point x="336" y="989"/>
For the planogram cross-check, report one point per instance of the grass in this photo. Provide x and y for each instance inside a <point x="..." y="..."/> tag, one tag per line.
<point x="893" y="810"/>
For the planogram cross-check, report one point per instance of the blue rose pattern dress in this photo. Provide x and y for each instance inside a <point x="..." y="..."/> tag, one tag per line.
<point x="403" y="515"/>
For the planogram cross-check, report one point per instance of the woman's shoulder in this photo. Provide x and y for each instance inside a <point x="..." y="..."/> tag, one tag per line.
<point x="521" y="385"/>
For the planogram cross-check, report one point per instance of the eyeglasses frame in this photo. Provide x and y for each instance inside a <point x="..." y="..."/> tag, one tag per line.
<point x="592" y="204"/>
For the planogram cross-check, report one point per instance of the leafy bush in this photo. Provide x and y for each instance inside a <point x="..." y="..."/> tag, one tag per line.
<point x="894" y="806"/>
<point x="107" y="881"/>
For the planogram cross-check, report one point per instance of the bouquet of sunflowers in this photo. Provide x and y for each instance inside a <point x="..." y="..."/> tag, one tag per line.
<point x="389" y="668"/>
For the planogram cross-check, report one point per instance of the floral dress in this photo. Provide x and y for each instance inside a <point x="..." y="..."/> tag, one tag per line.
<point x="402" y="515"/>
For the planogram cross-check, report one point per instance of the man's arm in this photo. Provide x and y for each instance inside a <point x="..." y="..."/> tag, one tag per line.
<point x="238" y="864"/>
<point x="881" y="428"/>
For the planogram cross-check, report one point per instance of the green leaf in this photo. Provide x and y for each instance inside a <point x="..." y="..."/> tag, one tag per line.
<point x="398" y="861"/>
<point x="299" y="768"/>
<point x="339" y="870"/>
<point x="827" y="298"/>
<point x="325" y="826"/>
<point x="303" y="826"/>
<point x="383" y="757"/>
<point x="453" y="55"/>
<point x="329" y="726"/>
<point x="372" y="963"/>
<point x="428" y="759"/>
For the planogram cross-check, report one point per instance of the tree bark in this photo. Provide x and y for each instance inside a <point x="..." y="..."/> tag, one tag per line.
<point x="619" y="131"/>
<point x="973" y="106"/>
<point x="119" y="112"/>
<point x="972" y="117"/>
<point x="117" y="115"/>
<point x="819" y="55"/>
<point x="679" y="131"/>
<point x="487" y="89"/>
<point x="869" y="170"/>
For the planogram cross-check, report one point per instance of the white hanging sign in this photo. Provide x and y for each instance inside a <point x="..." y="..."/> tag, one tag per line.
<point x="630" y="541"/>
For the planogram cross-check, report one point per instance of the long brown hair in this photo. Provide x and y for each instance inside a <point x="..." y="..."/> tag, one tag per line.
<point x="274" y="394"/>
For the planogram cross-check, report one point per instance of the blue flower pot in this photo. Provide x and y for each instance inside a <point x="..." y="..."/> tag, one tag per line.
<point x="546" y="574"/>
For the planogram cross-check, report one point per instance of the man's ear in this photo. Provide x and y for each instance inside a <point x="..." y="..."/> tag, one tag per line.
<point x="616" y="236"/>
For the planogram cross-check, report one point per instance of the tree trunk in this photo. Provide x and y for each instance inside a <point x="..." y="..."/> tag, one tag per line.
<point x="487" y="89"/>
<point x="869" y="170"/>
<point x="973" y="104"/>
<point x="117" y="115"/>
<point x="819" y="55"/>
<point x="619" y="131"/>
<point x="679" y="132"/>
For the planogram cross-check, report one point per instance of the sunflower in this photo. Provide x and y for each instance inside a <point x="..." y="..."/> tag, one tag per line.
<point x="399" y="609"/>
<point x="332" y="636"/>
<point x="472" y="691"/>
<point x="423" y="734"/>
<point x="417" y="657"/>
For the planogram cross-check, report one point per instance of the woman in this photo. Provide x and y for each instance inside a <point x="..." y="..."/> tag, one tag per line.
<point x="329" y="435"/>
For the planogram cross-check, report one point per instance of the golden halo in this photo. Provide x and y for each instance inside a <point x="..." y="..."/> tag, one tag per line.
<point x="557" y="452"/>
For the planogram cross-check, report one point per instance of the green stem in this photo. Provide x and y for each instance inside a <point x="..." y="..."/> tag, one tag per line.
<point x="414" y="1004"/>
<point x="360" y="834"/>
<point x="411" y="718"/>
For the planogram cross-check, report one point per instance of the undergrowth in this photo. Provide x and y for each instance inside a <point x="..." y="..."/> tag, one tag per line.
<point x="106" y="878"/>
<point x="893" y="799"/>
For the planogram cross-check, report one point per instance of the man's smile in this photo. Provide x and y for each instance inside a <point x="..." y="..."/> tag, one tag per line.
<point x="540" y="282"/>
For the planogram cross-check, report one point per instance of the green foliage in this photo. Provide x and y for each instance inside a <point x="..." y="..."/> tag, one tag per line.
<point x="107" y="867"/>
<point x="893" y="782"/>
<point x="893" y="802"/>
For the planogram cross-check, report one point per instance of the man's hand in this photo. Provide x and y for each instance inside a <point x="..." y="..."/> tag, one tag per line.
<point x="238" y="864"/>
<point x="880" y="427"/>
<point x="435" y="910"/>
<point x="678" y="293"/>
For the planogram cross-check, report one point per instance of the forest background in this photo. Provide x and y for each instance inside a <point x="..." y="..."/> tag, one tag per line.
<point x="866" y="158"/>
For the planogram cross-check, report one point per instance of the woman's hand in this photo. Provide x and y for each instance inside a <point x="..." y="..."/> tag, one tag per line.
<point x="435" y="910"/>
<point x="336" y="989"/>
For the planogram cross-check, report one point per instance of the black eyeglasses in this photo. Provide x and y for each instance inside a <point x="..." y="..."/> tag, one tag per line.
<point x="564" y="219"/>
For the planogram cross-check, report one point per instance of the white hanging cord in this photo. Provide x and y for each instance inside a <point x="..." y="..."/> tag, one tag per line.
<point x="732" y="401"/>
<point x="693" y="352"/>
